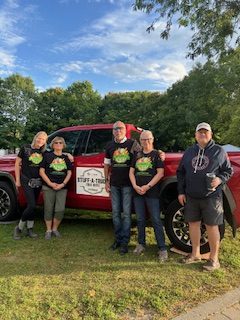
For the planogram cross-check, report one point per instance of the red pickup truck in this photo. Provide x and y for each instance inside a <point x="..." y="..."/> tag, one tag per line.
<point x="87" y="185"/>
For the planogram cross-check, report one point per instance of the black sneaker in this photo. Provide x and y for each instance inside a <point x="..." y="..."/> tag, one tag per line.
<point x="17" y="234"/>
<point x="31" y="234"/>
<point x="114" y="246"/>
<point x="123" y="249"/>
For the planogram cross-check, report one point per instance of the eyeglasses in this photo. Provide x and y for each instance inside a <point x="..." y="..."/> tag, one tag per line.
<point x="118" y="128"/>
<point x="148" y="139"/>
<point x="58" y="142"/>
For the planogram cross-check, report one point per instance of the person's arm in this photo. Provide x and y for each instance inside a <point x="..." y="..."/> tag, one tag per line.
<point x="18" y="163"/>
<point x="107" y="175"/>
<point x="158" y="176"/>
<point x="65" y="181"/>
<point x="132" y="178"/>
<point x="181" y="183"/>
<point x="46" y="179"/>
<point x="225" y="170"/>
<point x="70" y="156"/>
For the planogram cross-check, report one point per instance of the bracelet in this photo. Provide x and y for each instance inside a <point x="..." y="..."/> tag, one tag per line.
<point x="149" y="186"/>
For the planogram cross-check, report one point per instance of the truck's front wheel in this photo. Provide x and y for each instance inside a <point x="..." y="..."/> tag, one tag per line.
<point x="8" y="202"/>
<point x="178" y="232"/>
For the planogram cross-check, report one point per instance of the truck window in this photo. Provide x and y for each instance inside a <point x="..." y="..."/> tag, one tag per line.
<point x="72" y="139"/>
<point x="97" y="140"/>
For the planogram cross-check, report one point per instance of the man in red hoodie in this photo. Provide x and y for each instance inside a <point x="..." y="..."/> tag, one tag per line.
<point x="202" y="200"/>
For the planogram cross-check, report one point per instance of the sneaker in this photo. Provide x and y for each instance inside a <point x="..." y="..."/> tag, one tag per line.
<point x="48" y="235"/>
<point x="139" y="249"/>
<point x="190" y="259"/>
<point x="56" y="234"/>
<point x="115" y="245"/>
<point x="211" y="265"/>
<point x="17" y="234"/>
<point x="31" y="234"/>
<point x="162" y="255"/>
<point x="123" y="249"/>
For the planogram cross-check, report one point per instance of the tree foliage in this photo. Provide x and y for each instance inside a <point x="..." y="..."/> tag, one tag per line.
<point x="17" y="95"/>
<point x="215" y="24"/>
<point x="210" y="93"/>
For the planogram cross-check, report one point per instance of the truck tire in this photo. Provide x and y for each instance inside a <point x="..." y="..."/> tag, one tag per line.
<point x="8" y="202"/>
<point x="177" y="229"/>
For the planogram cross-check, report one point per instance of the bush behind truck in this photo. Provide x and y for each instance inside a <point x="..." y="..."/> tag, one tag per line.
<point x="87" y="186"/>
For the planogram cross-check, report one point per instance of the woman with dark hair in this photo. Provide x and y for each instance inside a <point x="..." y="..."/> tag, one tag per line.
<point x="27" y="175"/>
<point x="55" y="171"/>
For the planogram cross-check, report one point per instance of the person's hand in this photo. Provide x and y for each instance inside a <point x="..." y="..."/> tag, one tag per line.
<point x="107" y="186"/>
<point x="18" y="183"/>
<point x="53" y="185"/>
<point x="59" y="186"/>
<point x="162" y="155"/>
<point x="145" y="188"/>
<point x="182" y="199"/>
<point x="216" y="182"/>
<point x="70" y="157"/>
<point x="138" y="190"/>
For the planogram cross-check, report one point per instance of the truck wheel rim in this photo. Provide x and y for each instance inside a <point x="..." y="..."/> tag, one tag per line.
<point x="181" y="230"/>
<point x="4" y="203"/>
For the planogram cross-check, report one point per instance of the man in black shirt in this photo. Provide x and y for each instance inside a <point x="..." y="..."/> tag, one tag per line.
<point x="118" y="156"/>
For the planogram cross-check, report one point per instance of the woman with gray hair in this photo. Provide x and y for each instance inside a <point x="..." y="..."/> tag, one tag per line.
<point x="27" y="175"/>
<point x="55" y="171"/>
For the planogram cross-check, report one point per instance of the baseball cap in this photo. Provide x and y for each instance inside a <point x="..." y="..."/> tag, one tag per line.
<point x="203" y="125"/>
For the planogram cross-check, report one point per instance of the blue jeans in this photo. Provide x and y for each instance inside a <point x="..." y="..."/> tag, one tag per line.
<point x="121" y="213"/>
<point x="154" y="210"/>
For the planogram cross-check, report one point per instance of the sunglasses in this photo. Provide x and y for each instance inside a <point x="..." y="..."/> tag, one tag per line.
<point x="58" y="142"/>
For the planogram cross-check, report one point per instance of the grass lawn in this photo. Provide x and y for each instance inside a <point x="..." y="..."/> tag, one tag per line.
<point x="77" y="277"/>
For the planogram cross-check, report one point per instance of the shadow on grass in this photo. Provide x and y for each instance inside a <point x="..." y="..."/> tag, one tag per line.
<point x="84" y="247"/>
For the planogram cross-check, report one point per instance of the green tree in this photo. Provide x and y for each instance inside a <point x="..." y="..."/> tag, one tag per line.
<point x="57" y="108"/>
<point x="215" y="24"/>
<point x="82" y="104"/>
<point x="17" y="95"/>
<point x="130" y="107"/>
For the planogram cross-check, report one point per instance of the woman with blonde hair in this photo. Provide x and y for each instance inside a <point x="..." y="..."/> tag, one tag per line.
<point x="27" y="175"/>
<point x="55" y="171"/>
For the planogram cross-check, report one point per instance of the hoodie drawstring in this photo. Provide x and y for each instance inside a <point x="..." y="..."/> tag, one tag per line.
<point x="199" y="159"/>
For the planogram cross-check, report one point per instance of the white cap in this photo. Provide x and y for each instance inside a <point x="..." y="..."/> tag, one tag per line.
<point x="203" y="125"/>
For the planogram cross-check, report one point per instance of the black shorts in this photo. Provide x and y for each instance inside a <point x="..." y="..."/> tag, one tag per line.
<point x="207" y="210"/>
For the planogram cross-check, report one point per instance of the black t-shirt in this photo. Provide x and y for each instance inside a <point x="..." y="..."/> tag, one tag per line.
<point x="121" y="157"/>
<point x="146" y="165"/>
<point x="56" y="167"/>
<point x="31" y="160"/>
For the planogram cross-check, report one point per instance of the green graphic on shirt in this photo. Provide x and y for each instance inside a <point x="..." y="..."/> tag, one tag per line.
<point x="143" y="164"/>
<point x="58" y="164"/>
<point x="36" y="158"/>
<point x="121" y="155"/>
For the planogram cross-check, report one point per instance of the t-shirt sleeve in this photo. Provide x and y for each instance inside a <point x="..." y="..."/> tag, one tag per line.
<point x="21" y="152"/>
<point x="68" y="163"/>
<point x="159" y="162"/>
<point x="133" y="161"/>
<point x="107" y="152"/>
<point x="43" y="162"/>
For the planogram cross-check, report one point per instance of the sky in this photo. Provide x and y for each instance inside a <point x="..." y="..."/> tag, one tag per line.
<point x="58" y="42"/>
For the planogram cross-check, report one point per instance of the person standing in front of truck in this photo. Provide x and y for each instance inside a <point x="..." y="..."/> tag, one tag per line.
<point x="118" y="156"/>
<point x="202" y="200"/>
<point x="147" y="169"/>
<point x="27" y="175"/>
<point x="56" y="171"/>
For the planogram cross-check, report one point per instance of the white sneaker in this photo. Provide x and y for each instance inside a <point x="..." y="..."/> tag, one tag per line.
<point x="139" y="249"/>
